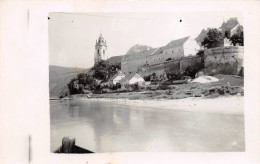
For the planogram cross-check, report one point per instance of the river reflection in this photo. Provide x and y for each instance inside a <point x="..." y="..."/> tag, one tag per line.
<point x="109" y="127"/>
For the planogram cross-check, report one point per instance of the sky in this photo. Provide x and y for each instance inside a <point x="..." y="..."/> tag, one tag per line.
<point x="72" y="36"/>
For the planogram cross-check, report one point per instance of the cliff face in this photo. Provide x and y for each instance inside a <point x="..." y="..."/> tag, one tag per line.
<point x="138" y="48"/>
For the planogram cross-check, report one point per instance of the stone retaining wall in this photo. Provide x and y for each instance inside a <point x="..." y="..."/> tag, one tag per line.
<point x="224" y="60"/>
<point x="176" y="66"/>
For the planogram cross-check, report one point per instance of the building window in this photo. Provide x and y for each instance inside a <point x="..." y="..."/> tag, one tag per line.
<point x="130" y="72"/>
<point x="103" y="51"/>
<point x="172" y="51"/>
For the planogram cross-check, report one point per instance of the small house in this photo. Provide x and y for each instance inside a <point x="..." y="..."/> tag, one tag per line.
<point x="132" y="79"/>
<point x="116" y="78"/>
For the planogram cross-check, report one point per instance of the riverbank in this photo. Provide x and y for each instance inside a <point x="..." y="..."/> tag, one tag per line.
<point x="223" y="96"/>
<point x="225" y="86"/>
<point x="222" y="105"/>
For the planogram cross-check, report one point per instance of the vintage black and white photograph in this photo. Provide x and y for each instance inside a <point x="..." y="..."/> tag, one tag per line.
<point x="146" y="82"/>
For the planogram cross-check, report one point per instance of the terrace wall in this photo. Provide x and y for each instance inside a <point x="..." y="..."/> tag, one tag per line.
<point x="225" y="60"/>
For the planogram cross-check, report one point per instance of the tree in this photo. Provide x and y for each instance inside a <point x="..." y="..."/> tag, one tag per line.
<point x="192" y="70"/>
<point x="227" y="34"/>
<point x="213" y="39"/>
<point x="82" y="78"/>
<point x="72" y="86"/>
<point x="238" y="38"/>
<point x="200" y="53"/>
<point x="102" y="71"/>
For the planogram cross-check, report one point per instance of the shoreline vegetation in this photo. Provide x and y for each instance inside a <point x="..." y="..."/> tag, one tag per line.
<point x="224" y="96"/>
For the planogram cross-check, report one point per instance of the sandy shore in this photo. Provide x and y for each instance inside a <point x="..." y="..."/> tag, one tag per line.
<point x="222" y="105"/>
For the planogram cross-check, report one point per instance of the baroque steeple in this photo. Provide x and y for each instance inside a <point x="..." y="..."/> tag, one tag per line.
<point x="100" y="49"/>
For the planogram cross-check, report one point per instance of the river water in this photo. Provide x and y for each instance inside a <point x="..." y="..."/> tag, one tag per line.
<point x="109" y="127"/>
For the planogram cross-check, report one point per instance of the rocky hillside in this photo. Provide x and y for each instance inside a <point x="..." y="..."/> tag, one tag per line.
<point x="115" y="60"/>
<point x="229" y="24"/>
<point x="202" y="35"/>
<point x="59" y="77"/>
<point x="138" y="48"/>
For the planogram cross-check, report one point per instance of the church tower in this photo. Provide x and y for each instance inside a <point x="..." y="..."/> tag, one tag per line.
<point x="100" y="49"/>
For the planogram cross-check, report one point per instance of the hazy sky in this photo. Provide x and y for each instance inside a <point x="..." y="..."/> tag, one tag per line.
<point x="72" y="36"/>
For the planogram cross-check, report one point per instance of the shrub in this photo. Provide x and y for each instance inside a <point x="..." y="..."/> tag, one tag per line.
<point x="164" y="87"/>
<point x="114" y="87"/>
<point x="192" y="70"/>
<point x="142" y="88"/>
<point x="228" y="34"/>
<point x="174" y="76"/>
<point x="200" y="53"/>
<point x="134" y="87"/>
<point x="238" y="38"/>
<point x="148" y="78"/>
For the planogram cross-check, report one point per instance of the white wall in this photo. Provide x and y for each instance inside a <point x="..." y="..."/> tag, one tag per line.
<point x="135" y="79"/>
<point x="118" y="78"/>
<point x="190" y="47"/>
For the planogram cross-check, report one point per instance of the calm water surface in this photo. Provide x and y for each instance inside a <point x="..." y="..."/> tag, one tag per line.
<point x="109" y="127"/>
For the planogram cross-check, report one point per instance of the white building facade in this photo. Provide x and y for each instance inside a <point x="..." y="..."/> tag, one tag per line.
<point x="116" y="78"/>
<point x="132" y="79"/>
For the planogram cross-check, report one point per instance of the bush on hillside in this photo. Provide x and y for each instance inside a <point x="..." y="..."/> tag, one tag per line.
<point x="191" y="71"/>
<point x="134" y="87"/>
<point x="237" y="39"/>
<point x="102" y="71"/>
<point x="174" y="76"/>
<point x="200" y="53"/>
<point x="213" y="39"/>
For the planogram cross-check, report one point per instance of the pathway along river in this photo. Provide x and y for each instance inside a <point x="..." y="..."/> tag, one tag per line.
<point x="109" y="127"/>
